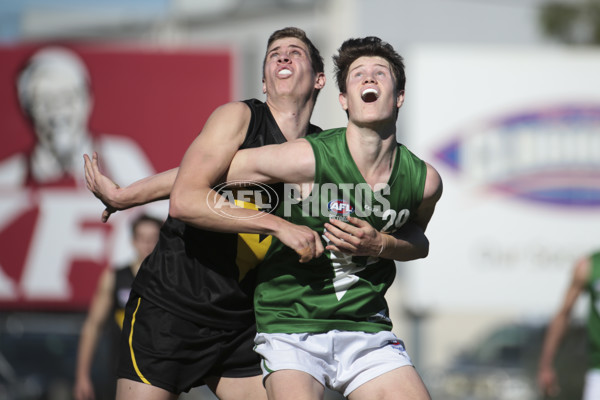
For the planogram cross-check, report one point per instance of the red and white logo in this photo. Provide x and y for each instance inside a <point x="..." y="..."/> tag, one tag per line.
<point x="340" y="207"/>
<point x="59" y="102"/>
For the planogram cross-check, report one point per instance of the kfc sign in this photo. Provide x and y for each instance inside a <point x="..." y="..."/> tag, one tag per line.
<point x="139" y="108"/>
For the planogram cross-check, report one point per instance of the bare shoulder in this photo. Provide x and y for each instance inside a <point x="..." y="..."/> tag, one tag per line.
<point x="235" y="115"/>
<point x="433" y="184"/>
<point x="582" y="270"/>
<point x="233" y="107"/>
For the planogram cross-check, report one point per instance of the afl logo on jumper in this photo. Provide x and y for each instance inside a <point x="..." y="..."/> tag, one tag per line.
<point x="339" y="208"/>
<point x="550" y="155"/>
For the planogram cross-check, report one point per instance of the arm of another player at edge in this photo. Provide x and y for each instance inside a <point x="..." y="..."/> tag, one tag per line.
<point x="558" y="326"/>
<point x="410" y="242"/>
<point x="90" y="334"/>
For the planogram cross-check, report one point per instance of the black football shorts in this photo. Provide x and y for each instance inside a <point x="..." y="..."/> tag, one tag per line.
<point x="164" y="350"/>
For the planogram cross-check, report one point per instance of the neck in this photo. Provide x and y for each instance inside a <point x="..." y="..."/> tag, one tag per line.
<point x="373" y="151"/>
<point x="292" y="115"/>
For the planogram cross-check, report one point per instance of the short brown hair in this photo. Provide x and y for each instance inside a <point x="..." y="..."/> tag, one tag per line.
<point x="369" y="46"/>
<point x="315" y="56"/>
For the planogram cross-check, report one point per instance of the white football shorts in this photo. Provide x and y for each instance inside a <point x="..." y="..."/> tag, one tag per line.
<point x="591" y="390"/>
<point x="359" y="356"/>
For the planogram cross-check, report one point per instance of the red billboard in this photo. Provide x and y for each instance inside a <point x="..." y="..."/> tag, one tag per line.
<point x="138" y="107"/>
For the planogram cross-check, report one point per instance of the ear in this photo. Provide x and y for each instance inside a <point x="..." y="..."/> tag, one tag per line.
<point x="264" y="86"/>
<point x="400" y="99"/>
<point x="343" y="101"/>
<point x="320" y="81"/>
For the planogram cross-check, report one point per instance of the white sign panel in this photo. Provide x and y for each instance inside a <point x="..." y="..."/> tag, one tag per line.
<point x="515" y="134"/>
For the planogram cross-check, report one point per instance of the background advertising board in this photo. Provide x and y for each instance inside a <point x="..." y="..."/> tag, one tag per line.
<point x="138" y="107"/>
<point x="515" y="134"/>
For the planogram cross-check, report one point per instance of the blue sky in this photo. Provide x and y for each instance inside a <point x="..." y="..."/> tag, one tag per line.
<point x="12" y="10"/>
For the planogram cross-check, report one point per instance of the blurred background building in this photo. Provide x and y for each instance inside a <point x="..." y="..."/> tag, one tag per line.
<point x="502" y="98"/>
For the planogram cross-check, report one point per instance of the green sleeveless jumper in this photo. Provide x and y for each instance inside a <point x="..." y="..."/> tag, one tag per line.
<point x="593" y="324"/>
<point x="336" y="291"/>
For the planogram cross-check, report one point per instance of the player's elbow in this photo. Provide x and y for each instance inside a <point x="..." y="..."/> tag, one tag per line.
<point x="179" y="206"/>
<point x="175" y="210"/>
<point x="421" y="248"/>
<point x="424" y="248"/>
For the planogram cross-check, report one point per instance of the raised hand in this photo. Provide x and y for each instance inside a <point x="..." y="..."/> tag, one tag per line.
<point x="100" y="185"/>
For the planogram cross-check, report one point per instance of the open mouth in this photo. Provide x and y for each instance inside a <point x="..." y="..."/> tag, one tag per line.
<point x="369" y="95"/>
<point x="284" y="72"/>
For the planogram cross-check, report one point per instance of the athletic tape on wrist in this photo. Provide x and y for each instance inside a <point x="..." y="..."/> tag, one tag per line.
<point x="382" y="245"/>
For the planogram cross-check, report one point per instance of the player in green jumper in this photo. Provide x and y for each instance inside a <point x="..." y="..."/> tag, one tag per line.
<point x="585" y="278"/>
<point x="325" y="322"/>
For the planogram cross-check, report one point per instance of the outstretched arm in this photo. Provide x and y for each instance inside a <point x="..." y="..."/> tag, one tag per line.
<point x="204" y="165"/>
<point x="359" y="238"/>
<point x="116" y="198"/>
<point x="546" y="374"/>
